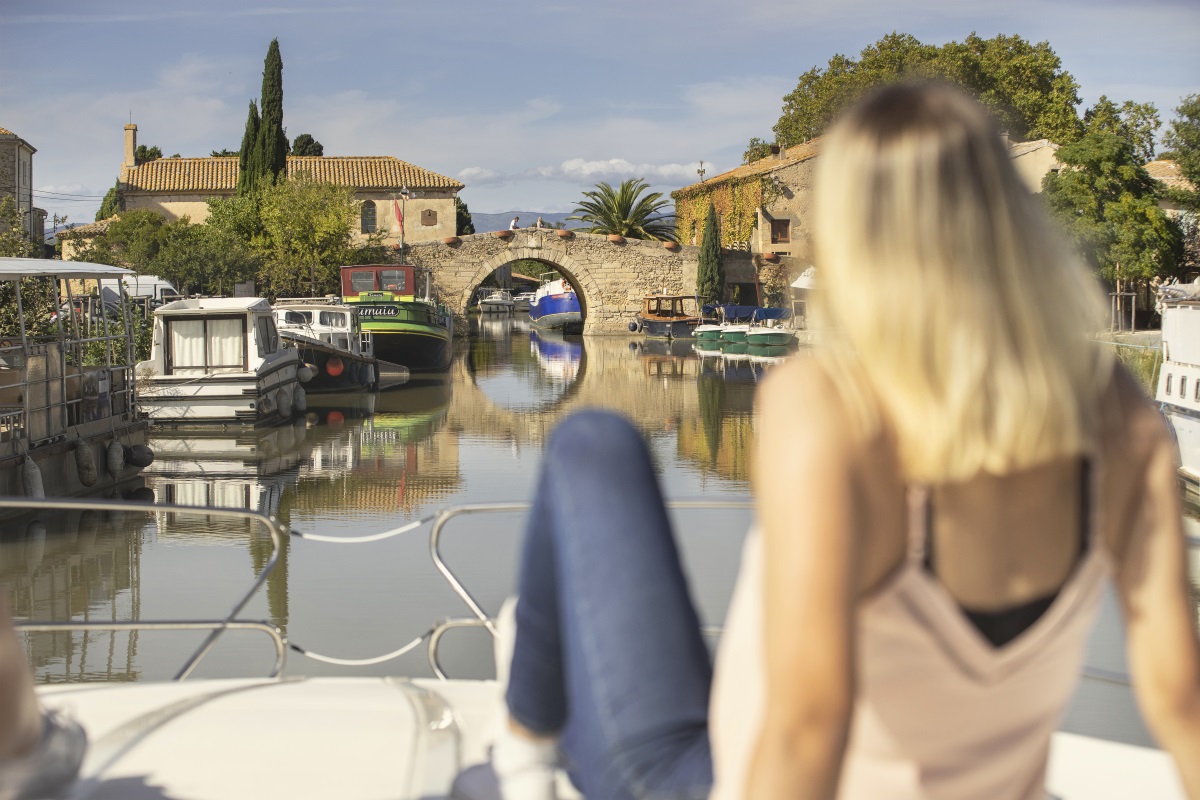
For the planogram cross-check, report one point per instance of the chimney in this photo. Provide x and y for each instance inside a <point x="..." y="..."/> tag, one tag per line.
<point x="777" y="151"/>
<point x="130" y="145"/>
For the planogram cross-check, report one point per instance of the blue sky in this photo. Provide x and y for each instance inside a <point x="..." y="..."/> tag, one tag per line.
<point x="527" y="103"/>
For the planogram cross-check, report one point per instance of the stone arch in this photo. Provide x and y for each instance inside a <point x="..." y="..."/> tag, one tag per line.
<point x="576" y="273"/>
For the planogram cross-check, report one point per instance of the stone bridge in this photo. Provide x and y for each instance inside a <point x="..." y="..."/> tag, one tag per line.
<point x="611" y="278"/>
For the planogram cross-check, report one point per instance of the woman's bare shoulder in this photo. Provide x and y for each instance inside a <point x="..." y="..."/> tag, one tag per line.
<point x="1131" y="423"/>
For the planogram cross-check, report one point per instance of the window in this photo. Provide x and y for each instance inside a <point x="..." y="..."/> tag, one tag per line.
<point x="206" y="346"/>
<point x="429" y="217"/>
<point x="1168" y="389"/>
<point x="362" y="281"/>
<point x="1198" y="391"/>
<point x="1183" y="388"/>
<point x="367" y="217"/>
<point x="268" y="338"/>
<point x="392" y="280"/>
<point x="781" y="230"/>
<point x="334" y="319"/>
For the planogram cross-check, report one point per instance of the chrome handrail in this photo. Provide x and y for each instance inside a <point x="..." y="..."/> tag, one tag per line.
<point x="272" y="631"/>
<point x="273" y="526"/>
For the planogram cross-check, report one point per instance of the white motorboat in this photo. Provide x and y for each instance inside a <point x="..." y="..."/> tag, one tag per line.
<point x="523" y="301"/>
<point x="351" y="737"/>
<point x="1178" y="391"/>
<point x="332" y="343"/>
<point x="498" y="302"/>
<point x="219" y="361"/>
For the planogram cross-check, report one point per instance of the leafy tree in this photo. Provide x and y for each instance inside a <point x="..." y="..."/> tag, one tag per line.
<point x="756" y="149"/>
<point x="626" y="211"/>
<point x="1136" y="122"/>
<point x="14" y="240"/>
<point x="238" y="216"/>
<point x="710" y="272"/>
<point x="272" y="144"/>
<point x="306" y="236"/>
<point x="462" y="218"/>
<point x="248" y="169"/>
<point x="136" y="238"/>
<point x="306" y="145"/>
<point x="112" y="202"/>
<point x="202" y="258"/>
<point x="223" y="153"/>
<point x="144" y="154"/>
<point x="1022" y="84"/>
<point x="1183" y="139"/>
<point x="1106" y="202"/>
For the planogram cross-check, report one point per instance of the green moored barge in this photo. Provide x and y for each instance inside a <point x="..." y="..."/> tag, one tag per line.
<point x="398" y="306"/>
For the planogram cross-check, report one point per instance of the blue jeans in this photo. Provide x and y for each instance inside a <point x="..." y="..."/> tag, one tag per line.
<point x="608" y="651"/>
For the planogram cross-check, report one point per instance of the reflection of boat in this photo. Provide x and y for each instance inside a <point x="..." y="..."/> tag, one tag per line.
<point x="398" y="307"/>
<point x="557" y="356"/>
<point x="497" y="302"/>
<point x="219" y="361"/>
<point x="68" y="420"/>
<point x="668" y="316"/>
<point x="555" y="305"/>
<point x="397" y="736"/>
<point x="247" y="469"/>
<point x="332" y="344"/>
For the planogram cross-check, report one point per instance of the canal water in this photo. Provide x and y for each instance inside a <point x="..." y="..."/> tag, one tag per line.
<point x="365" y="464"/>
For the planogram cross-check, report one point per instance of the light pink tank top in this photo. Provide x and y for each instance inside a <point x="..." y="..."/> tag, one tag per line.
<point x="940" y="712"/>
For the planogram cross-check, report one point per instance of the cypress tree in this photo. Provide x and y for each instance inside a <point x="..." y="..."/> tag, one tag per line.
<point x="247" y="162"/>
<point x="710" y="272"/>
<point x="272" y="143"/>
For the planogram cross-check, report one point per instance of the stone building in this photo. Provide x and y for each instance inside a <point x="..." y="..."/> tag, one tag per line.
<point x="177" y="187"/>
<point x="764" y="207"/>
<point x="1168" y="174"/>
<point x="16" y="181"/>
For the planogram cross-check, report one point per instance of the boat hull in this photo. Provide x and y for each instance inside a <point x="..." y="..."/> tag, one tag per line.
<point x="556" y="312"/>
<point x="668" y="329"/>
<point x="421" y="348"/>
<point x="337" y="370"/>
<point x="770" y="336"/>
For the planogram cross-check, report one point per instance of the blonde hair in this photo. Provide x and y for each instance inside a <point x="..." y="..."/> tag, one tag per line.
<point x="956" y="314"/>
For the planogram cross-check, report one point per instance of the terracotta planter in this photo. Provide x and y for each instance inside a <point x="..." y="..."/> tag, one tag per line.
<point x="672" y="246"/>
<point x="563" y="233"/>
<point x="452" y="240"/>
<point x="502" y="234"/>
<point x="770" y="257"/>
<point x="616" y="238"/>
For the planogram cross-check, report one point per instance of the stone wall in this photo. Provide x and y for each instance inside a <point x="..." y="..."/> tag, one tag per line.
<point x="417" y="227"/>
<point x="794" y="204"/>
<point x="611" y="278"/>
<point x="172" y="206"/>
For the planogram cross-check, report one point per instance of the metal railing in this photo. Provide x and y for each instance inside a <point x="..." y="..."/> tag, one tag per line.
<point x="215" y="627"/>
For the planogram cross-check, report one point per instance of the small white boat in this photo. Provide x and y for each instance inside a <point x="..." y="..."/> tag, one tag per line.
<point x="1178" y="391"/>
<point x="498" y="302"/>
<point x="522" y="301"/>
<point x="219" y="361"/>
<point x="333" y="345"/>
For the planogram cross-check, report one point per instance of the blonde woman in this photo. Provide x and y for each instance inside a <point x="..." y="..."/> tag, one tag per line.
<point x="943" y="490"/>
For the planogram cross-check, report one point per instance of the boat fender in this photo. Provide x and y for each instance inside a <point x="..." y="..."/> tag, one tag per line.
<point x="633" y="327"/>
<point x="300" y="400"/>
<point x="32" y="477"/>
<point x="140" y="456"/>
<point x="142" y="494"/>
<point x="334" y="366"/>
<point x="283" y="401"/>
<point x="116" y="458"/>
<point x="85" y="463"/>
<point x="306" y="372"/>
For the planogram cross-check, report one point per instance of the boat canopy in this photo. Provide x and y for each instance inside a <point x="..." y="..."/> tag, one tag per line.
<point x="735" y="313"/>
<point x="12" y="269"/>
<point x="209" y="305"/>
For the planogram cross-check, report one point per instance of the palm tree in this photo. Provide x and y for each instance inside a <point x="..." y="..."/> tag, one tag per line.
<point x="626" y="211"/>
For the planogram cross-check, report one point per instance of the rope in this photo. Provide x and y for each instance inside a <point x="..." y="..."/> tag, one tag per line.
<point x="363" y="662"/>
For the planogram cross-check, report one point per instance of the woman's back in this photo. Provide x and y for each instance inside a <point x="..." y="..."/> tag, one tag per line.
<point x="940" y="709"/>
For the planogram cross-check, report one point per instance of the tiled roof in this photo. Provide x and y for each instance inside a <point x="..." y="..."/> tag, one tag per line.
<point x="1168" y="173"/>
<point x="220" y="174"/>
<point x="803" y="152"/>
<point x="763" y="166"/>
<point x="91" y="229"/>
<point x="6" y="132"/>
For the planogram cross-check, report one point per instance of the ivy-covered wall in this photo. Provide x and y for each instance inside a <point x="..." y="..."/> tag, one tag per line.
<point x="736" y="203"/>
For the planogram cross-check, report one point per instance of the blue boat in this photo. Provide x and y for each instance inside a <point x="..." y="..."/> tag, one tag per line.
<point x="555" y="305"/>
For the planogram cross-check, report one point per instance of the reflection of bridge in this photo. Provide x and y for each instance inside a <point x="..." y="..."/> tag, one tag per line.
<point x="611" y="278"/>
<point x="612" y="375"/>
